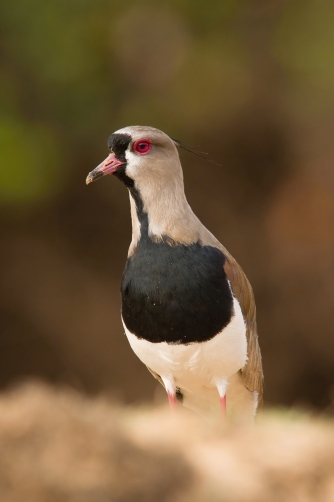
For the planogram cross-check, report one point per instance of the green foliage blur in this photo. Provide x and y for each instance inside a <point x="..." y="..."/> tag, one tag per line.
<point x="73" y="71"/>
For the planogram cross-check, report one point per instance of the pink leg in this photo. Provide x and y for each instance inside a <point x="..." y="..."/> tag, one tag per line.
<point x="223" y="406"/>
<point x="172" y="401"/>
<point x="222" y="384"/>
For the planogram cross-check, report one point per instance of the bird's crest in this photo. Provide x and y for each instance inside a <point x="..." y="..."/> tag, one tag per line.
<point x="202" y="155"/>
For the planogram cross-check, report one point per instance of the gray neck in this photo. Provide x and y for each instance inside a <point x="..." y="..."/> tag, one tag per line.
<point x="168" y="215"/>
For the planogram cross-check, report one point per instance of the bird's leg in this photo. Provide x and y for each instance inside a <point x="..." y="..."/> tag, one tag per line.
<point x="172" y="401"/>
<point x="171" y="392"/>
<point x="223" y="406"/>
<point x="221" y="385"/>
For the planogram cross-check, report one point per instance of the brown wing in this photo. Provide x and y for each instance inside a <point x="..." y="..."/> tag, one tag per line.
<point x="156" y="376"/>
<point x="252" y="372"/>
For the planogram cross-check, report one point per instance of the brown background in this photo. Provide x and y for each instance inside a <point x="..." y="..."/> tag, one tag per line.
<point x="252" y="83"/>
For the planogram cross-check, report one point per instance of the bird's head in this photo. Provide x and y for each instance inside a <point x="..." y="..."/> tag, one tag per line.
<point x="141" y="157"/>
<point x="146" y="160"/>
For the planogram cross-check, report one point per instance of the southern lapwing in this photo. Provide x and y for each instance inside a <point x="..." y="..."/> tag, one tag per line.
<point x="188" y="309"/>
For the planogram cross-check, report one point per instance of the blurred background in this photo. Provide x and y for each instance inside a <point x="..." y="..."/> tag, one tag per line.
<point x="250" y="82"/>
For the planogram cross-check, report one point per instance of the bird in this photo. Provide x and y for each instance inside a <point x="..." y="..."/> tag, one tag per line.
<point x="188" y="309"/>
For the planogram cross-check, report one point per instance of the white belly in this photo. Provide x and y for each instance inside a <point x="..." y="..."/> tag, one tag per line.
<point x="196" y="366"/>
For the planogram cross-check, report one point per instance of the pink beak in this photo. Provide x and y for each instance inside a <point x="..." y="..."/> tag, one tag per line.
<point x="108" y="166"/>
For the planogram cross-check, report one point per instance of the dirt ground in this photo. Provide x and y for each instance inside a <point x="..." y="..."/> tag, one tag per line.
<point x="59" y="445"/>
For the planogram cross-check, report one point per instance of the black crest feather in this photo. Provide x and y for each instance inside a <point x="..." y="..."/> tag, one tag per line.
<point x="202" y="155"/>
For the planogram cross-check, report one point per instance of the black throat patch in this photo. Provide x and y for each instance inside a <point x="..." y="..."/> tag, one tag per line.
<point x="172" y="292"/>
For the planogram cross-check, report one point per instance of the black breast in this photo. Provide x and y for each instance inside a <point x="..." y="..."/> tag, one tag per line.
<point x="175" y="293"/>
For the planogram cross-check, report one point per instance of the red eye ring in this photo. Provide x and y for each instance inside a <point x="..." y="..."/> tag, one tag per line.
<point x="142" y="146"/>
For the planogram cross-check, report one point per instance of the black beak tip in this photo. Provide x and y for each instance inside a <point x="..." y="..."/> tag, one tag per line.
<point x="93" y="176"/>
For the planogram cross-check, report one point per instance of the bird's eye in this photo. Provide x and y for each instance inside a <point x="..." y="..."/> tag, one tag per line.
<point x="142" y="146"/>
